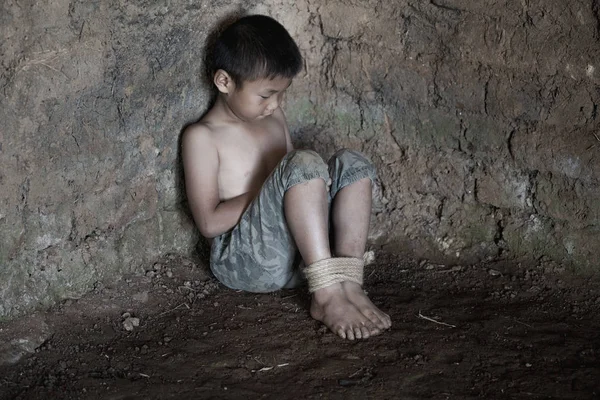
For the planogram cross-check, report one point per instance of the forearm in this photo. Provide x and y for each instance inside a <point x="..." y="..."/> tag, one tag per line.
<point x="225" y="216"/>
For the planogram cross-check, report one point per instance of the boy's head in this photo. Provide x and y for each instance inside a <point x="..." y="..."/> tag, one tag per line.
<point x="255" y="47"/>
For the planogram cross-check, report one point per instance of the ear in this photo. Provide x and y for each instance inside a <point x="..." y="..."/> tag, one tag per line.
<point x="223" y="81"/>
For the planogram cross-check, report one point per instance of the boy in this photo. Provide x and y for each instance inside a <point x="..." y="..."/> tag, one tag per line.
<point x="261" y="202"/>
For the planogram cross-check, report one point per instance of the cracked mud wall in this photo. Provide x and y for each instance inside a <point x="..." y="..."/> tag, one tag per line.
<point x="481" y="116"/>
<point x="482" y="120"/>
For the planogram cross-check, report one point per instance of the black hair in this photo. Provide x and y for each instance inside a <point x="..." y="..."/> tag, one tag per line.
<point x="254" y="47"/>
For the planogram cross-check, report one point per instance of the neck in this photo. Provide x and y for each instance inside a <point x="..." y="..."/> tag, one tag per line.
<point x="222" y="108"/>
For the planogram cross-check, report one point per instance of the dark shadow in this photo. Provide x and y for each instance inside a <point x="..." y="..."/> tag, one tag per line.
<point x="203" y="246"/>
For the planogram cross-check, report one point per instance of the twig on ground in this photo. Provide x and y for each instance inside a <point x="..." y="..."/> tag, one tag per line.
<point x="596" y="136"/>
<point x="270" y="368"/>
<point x="434" y="321"/>
<point x="173" y="309"/>
<point x="523" y="323"/>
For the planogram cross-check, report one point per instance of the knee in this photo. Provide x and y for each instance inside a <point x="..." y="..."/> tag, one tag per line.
<point x="303" y="165"/>
<point x="352" y="160"/>
<point x="304" y="159"/>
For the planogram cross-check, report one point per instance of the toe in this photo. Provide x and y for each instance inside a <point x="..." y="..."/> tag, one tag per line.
<point x="357" y="333"/>
<point x="341" y="333"/>
<point x="385" y="319"/>
<point x="375" y="319"/>
<point x="350" y="334"/>
<point x="365" y="332"/>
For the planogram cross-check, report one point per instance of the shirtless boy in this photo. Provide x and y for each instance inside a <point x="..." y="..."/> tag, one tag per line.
<point x="261" y="202"/>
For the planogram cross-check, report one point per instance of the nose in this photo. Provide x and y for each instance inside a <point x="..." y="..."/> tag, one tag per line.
<point x="273" y="105"/>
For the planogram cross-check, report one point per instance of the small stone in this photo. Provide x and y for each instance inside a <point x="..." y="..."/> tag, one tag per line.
<point x="169" y="274"/>
<point x="130" y="323"/>
<point x="167" y="339"/>
<point x="493" y="272"/>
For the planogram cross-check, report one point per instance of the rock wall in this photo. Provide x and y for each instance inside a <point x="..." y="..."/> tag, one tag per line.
<point x="481" y="116"/>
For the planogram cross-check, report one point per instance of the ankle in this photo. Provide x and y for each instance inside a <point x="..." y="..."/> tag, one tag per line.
<point x="324" y="295"/>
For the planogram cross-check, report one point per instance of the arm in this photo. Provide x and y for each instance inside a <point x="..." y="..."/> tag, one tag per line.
<point x="201" y="166"/>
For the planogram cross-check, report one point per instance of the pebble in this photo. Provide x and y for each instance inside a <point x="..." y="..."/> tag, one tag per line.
<point x="493" y="272"/>
<point x="130" y="323"/>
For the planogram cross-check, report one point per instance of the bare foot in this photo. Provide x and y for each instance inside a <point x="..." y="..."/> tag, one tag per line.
<point x="356" y="295"/>
<point x="331" y="306"/>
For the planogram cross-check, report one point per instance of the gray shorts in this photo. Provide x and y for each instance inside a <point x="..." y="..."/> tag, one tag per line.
<point x="259" y="254"/>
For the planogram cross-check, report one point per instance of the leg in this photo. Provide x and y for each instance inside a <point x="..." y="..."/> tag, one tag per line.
<point x="351" y="214"/>
<point x="306" y="210"/>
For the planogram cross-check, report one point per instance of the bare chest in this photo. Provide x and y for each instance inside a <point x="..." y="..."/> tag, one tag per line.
<point x="245" y="161"/>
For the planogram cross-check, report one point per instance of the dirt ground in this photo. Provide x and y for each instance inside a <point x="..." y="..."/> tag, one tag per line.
<point x="497" y="331"/>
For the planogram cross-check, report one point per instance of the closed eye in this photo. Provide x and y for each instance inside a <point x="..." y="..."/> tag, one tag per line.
<point x="264" y="97"/>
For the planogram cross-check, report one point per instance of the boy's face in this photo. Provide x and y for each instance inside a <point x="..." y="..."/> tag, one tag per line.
<point x="254" y="100"/>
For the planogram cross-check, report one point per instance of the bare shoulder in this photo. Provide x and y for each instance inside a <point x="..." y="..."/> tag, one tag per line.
<point x="197" y="133"/>
<point x="279" y="116"/>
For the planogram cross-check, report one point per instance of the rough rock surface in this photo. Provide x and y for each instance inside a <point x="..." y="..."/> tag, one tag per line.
<point x="481" y="116"/>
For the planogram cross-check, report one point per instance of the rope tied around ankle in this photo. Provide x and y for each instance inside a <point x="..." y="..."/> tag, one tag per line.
<point x="327" y="272"/>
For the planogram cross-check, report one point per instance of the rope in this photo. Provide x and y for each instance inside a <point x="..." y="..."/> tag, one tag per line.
<point x="327" y="272"/>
